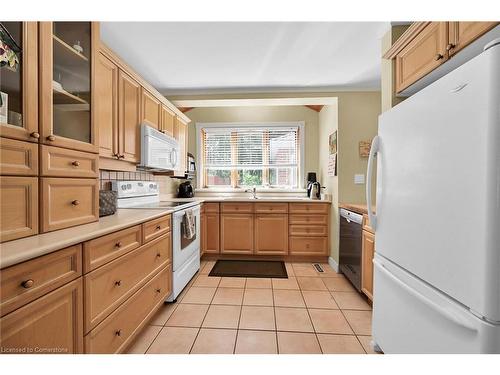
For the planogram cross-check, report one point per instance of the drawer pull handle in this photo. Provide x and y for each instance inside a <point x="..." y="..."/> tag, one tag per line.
<point x="76" y="202"/>
<point x="35" y="135"/>
<point x="28" y="283"/>
<point x="118" y="283"/>
<point x="158" y="290"/>
<point x="118" y="244"/>
<point x="51" y="138"/>
<point x="118" y="332"/>
<point x="76" y="163"/>
<point x="158" y="255"/>
<point x="158" y="227"/>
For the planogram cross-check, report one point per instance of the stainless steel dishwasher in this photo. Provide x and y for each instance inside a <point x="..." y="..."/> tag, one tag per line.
<point x="350" y="246"/>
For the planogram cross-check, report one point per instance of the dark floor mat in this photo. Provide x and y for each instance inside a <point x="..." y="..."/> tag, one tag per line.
<point x="249" y="268"/>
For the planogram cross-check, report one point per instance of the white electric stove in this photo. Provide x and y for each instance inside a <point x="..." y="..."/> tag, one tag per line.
<point x="185" y="252"/>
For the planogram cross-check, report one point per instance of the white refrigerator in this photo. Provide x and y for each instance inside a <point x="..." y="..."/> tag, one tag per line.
<point x="437" y="220"/>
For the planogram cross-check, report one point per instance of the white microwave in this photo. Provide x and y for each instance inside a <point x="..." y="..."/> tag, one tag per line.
<point x="159" y="151"/>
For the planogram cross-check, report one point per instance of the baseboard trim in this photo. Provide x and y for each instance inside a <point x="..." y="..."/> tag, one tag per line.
<point x="333" y="264"/>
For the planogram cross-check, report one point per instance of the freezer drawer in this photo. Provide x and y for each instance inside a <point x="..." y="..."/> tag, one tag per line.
<point x="410" y="316"/>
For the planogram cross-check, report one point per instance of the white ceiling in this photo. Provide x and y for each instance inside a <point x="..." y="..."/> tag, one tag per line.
<point x="198" y="57"/>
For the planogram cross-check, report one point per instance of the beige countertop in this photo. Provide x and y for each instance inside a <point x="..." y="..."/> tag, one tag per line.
<point x="358" y="208"/>
<point x="18" y="251"/>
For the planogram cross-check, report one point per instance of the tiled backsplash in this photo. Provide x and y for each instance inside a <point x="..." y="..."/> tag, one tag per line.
<point x="168" y="186"/>
<point x="105" y="177"/>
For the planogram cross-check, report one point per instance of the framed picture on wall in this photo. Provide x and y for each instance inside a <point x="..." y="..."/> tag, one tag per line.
<point x="333" y="143"/>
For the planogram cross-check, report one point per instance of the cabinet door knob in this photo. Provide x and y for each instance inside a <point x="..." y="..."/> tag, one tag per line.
<point x="118" y="283"/>
<point x="76" y="202"/>
<point x="51" y="138"/>
<point x="76" y="163"/>
<point x="118" y="244"/>
<point x="28" y="283"/>
<point x="116" y="155"/>
<point x="158" y="227"/>
<point x="158" y="255"/>
<point x="35" y="135"/>
<point x="118" y="332"/>
<point x="438" y="57"/>
<point x="121" y="156"/>
<point x="450" y="46"/>
<point x="158" y="290"/>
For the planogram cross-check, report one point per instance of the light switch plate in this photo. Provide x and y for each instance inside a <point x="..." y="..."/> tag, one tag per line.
<point x="359" y="179"/>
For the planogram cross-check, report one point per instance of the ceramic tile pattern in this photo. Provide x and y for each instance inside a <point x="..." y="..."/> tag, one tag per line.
<point x="309" y="313"/>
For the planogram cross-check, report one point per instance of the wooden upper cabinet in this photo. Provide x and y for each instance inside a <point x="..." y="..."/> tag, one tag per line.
<point x="151" y="109"/>
<point x="67" y="65"/>
<point x="167" y="120"/>
<point x="422" y="55"/>
<point x="237" y="234"/>
<point x="271" y="234"/>
<point x="106" y="106"/>
<point x="51" y="324"/>
<point x="368" y="251"/>
<point x="129" y="117"/>
<point x="462" y="34"/>
<point x="181" y="135"/>
<point x="19" y="85"/>
<point x="19" y="207"/>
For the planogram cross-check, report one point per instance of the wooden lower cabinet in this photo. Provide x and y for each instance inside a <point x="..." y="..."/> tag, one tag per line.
<point x="117" y="331"/>
<point x="66" y="202"/>
<point x="19" y="207"/>
<point x="109" y="286"/>
<point x="271" y="234"/>
<point x="368" y="251"/>
<point x="210" y="239"/>
<point x="237" y="234"/>
<point x="51" y="324"/>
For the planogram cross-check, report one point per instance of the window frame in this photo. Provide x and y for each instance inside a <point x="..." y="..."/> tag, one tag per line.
<point x="200" y="177"/>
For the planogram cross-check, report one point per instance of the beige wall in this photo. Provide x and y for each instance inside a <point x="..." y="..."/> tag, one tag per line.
<point x="358" y="121"/>
<point x="261" y="114"/>
<point x="328" y="123"/>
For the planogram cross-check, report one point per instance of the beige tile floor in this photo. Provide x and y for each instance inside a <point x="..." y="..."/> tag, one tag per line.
<point x="308" y="313"/>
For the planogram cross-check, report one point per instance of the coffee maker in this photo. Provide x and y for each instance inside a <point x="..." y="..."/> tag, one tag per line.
<point x="311" y="180"/>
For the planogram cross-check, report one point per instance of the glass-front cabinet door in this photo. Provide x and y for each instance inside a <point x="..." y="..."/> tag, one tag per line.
<point x="67" y="53"/>
<point x="19" y="80"/>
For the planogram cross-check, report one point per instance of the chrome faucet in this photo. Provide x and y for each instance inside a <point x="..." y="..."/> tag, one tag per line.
<point x="253" y="191"/>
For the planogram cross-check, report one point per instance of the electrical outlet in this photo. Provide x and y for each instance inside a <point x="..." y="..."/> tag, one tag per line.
<point x="359" y="179"/>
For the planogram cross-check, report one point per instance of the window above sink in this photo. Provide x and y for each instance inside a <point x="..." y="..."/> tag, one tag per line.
<point x="241" y="155"/>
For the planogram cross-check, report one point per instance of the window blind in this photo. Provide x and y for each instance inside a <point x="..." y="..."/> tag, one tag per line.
<point x="255" y="156"/>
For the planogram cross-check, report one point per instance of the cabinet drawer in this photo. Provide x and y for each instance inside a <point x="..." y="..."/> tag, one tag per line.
<point x="106" y="248"/>
<point x="108" y="286"/>
<point x="308" y="219"/>
<point x="308" y="230"/>
<point x="24" y="282"/>
<point x="235" y="208"/>
<point x="211" y="207"/>
<point x="18" y="158"/>
<point x="155" y="228"/>
<point x="308" y="246"/>
<point x="271" y="208"/>
<point x="61" y="162"/>
<point x="18" y="207"/>
<point x="309" y="208"/>
<point x="51" y="324"/>
<point x="119" y="329"/>
<point x="67" y="202"/>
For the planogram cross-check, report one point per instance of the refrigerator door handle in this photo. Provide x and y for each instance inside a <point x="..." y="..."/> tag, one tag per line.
<point x="450" y="315"/>
<point x="373" y="153"/>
